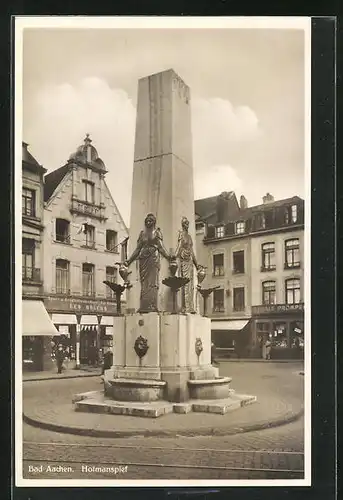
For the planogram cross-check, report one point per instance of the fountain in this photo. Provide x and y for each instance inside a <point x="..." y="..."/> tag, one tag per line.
<point x="162" y="345"/>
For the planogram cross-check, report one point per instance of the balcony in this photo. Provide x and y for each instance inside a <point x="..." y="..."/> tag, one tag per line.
<point x="31" y="275"/>
<point x="291" y="265"/>
<point x="63" y="238"/>
<point x="277" y="308"/>
<point x="88" y="209"/>
<point x="265" y="269"/>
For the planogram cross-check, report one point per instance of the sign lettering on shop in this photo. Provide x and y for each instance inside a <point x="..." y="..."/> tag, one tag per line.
<point x="277" y="308"/>
<point x="64" y="304"/>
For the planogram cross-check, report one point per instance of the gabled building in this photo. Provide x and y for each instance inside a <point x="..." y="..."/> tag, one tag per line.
<point x="37" y="327"/>
<point x="84" y="239"/>
<point x="255" y="256"/>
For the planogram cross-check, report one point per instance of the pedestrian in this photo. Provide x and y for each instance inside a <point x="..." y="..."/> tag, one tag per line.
<point x="108" y="361"/>
<point x="268" y="348"/>
<point x="59" y="358"/>
<point x="213" y="353"/>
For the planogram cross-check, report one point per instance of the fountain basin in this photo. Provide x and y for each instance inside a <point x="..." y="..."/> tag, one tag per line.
<point x="217" y="388"/>
<point x="121" y="389"/>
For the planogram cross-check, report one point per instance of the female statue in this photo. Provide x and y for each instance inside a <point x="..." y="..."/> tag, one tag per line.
<point x="149" y="247"/>
<point x="185" y="253"/>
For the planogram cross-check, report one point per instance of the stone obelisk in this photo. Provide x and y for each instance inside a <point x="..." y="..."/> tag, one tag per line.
<point x="163" y="171"/>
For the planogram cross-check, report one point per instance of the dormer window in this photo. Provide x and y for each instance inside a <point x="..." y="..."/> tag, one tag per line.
<point x="240" y="227"/>
<point x="294" y="213"/>
<point x="219" y="232"/>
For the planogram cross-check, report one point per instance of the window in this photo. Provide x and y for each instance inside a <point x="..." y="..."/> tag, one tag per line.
<point x="218" y="264"/>
<point x="280" y="335"/>
<point x="28" y="254"/>
<point x="294" y="213"/>
<point x="238" y="299"/>
<point x="287" y="216"/>
<point x="87" y="279"/>
<point x="111" y="275"/>
<point x="293" y="291"/>
<point x="219" y="232"/>
<point x="62" y="276"/>
<point x="88" y="191"/>
<point x="268" y="257"/>
<point x="90" y="236"/>
<point x="29" y="202"/>
<point x="268" y="292"/>
<point x="112" y="241"/>
<point x="62" y="231"/>
<point x="240" y="227"/>
<point x="292" y="253"/>
<point x="218" y="301"/>
<point x="238" y="262"/>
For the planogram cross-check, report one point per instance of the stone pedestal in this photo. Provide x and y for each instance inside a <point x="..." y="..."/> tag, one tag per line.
<point x="171" y="356"/>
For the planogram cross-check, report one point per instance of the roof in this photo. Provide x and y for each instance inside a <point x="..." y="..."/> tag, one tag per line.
<point x="87" y="153"/>
<point x="29" y="159"/>
<point x="53" y="179"/>
<point x="206" y="207"/>
<point x="263" y="207"/>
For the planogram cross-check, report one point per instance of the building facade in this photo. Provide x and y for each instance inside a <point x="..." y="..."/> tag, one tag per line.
<point x="37" y="328"/>
<point x="84" y="240"/>
<point x="255" y="256"/>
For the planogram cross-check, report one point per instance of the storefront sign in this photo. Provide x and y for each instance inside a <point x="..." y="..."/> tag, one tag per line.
<point x="277" y="308"/>
<point x="79" y="305"/>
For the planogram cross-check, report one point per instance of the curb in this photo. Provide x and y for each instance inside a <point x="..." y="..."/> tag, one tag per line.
<point x="211" y="431"/>
<point x="258" y="360"/>
<point x="63" y="377"/>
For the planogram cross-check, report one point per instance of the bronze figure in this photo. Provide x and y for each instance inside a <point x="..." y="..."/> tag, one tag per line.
<point x="185" y="253"/>
<point x="149" y="247"/>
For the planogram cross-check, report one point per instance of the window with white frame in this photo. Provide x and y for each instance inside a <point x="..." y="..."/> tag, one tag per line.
<point x="62" y="276"/>
<point x="268" y="292"/>
<point x="268" y="256"/>
<point x="88" y="285"/>
<point x="240" y="227"/>
<point x="220" y="232"/>
<point x="88" y="194"/>
<point x="292" y="253"/>
<point x="218" y="264"/>
<point x="292" y="291"/>
<point x="90" y="236"/>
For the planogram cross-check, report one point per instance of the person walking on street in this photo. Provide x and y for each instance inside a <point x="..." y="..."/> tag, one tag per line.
<point x="59" y="358"/>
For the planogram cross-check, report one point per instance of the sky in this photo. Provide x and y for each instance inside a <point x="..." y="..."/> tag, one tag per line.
<point x="247" y="102"/>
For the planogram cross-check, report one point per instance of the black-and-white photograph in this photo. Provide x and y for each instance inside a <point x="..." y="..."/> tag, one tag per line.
<point x="163" y="334"/>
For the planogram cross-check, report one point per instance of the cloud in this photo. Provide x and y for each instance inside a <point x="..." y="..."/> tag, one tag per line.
<point x="215" y="180"/>
<point x="64" y="113"/>
<point x="219" y="128"/>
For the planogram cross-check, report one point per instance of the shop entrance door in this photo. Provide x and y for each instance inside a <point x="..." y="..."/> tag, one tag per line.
<point x="88" y="349"/>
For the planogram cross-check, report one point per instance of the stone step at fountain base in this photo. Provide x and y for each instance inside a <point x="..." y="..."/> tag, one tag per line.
<point x="96" y="402"/>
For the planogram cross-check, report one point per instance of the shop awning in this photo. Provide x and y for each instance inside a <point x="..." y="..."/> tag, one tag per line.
<point x="89" y="319"/>
<point x="235" y="324"/>
<point x="36" y="320"/>
<point x="64" y="319"/>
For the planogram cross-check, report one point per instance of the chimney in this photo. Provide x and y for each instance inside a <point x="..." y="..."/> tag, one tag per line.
<point x="222" y="207"/>
<point x="268" y="198"/>
<point x="243" y="202"/>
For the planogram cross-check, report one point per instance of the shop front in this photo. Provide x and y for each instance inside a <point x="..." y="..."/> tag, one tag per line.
<point x="231" y="337"/>
<point x="37" y="333"/>
<point x="283" y="326"/>
<point x="87" y="324"/>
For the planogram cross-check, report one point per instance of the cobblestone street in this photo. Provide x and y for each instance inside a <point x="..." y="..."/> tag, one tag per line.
<point x="271" y="453"/>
